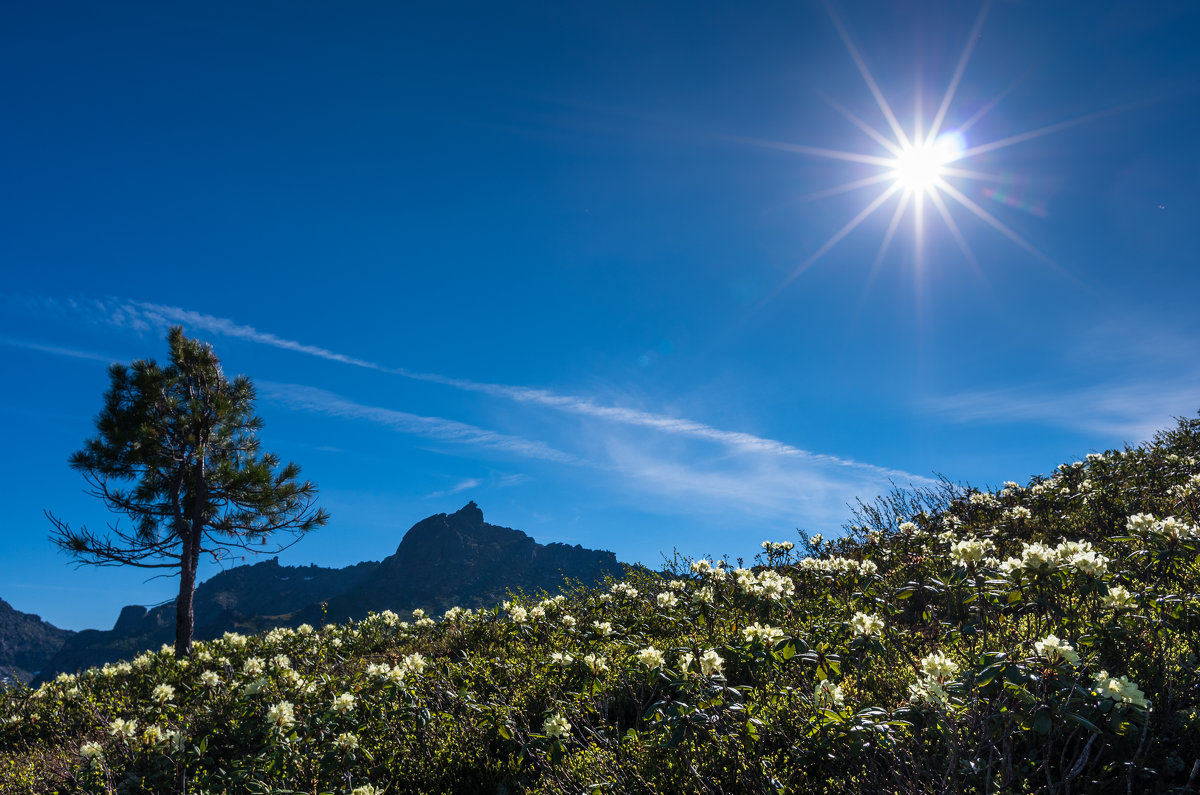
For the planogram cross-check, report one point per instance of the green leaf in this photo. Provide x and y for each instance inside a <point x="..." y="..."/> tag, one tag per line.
<point x="1042" y="724"/>
<point x="1082" y="721"/>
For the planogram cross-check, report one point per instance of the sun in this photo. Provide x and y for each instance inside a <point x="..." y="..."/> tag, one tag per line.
<point x="924" y="169"/>
<point x="921" y="167"/>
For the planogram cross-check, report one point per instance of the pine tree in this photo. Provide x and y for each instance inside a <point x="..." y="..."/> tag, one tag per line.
<point x="177" y="454"/>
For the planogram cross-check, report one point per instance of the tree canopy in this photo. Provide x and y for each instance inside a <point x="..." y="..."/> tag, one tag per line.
<point x="177" y="454"/>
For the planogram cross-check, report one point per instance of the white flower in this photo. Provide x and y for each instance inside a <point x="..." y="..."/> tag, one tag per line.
<point x="1121" y="690"/>
<point x="711" y="662"/>
<point x="938" y="666"/>
<point x="366" y="789"/>
<point x="968" y="551"/>
<point x="928" y="691"/>
<point x="518" y="614"/>
<point x="538" y="613"/>
<point x="253" y="666"/>
<point x="1118" y="596"/>
<point x="650" y="657"/>
<point x="596" y="664"/>
<point x="666" y="599"/>
<point x="774" y="586"/>
<point x="282" y="715"/>
<point x="908" y="528"/>
<point x="561" y="658"/>
<point x="210" y="679"/>
<point x="866" y="625"/>
<point x="828" y="695"/>
<point x="603" y="628"/>
<point x="1038" y="557"/>
<point x="92" y="752"/>
<point x="305" y="629"/>
<point x="346" y="741"/>
<point x="289" y="677"/>
<point x="568" y="621"/>
<point x="156" y="735"/>
<point x="556" y="726"/>
<point x="126" y="729"/>
<point x="1140" y="523"/>
<point x="235" y="640"/>
<point x="344" y="703"/>
<point x="413" y="664"/>
<point x="761" y="632"/>
<point x="281" y="662"/>
<point x="624" y="589"/>
<point x="685" y="661"/>
<point x="1090" y="563"/>
<point x="1055" y="650"/>
<point x="254" y="688"/>
<point x="162" y="693"/>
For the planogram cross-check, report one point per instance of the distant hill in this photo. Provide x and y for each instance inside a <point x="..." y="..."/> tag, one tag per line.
<point x="27" y="644"/>
<point x="442" y="561"/>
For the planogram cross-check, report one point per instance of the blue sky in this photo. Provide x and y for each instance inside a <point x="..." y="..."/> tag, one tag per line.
<point x="560" y="258"/>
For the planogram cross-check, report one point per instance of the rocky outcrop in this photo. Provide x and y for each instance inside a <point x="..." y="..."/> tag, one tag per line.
<point x="459" y="559"/>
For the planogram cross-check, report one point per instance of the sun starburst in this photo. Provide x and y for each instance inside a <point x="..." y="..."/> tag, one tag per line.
<point x="921" y="167"/>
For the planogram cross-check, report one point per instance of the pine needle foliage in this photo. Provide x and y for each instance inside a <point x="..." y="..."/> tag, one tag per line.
<point x="177" y="455"/>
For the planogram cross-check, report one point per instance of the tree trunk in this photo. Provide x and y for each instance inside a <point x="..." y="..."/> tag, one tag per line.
<point x="185" y="614"/>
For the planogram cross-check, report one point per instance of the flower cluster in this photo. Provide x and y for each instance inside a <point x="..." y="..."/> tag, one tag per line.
<point x="650" y="657"/>
<point x="866" y="625"/>
<point x="762" y="633"/>
<point x="767" y="584"/>
<point x="938" y="666"/>
<point x="838" y="565"/>
<point x="556" y="726"/>
<point x="1056" y="651"/>
<point x="281" y="715"/>
<point x="1121" y="690"/>
<point x="969" y="551"/>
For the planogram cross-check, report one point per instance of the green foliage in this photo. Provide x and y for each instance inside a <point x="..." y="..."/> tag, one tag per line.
<point x="1041" y="638"/>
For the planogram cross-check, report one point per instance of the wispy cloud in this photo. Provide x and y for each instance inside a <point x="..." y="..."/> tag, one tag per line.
<point x="72" y="353"/>
<point x="457" y="488"/>
<point x="753" y="486"/>
<point x="737" y="441"/>
<point x="307" y="398"/>
<point x="682" y="465"/>
<point x="1124" y="412"/>
<point x="161" y="315"/>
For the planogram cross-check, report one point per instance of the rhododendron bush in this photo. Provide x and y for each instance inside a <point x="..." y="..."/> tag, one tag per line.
<point x="1034" y="638"/>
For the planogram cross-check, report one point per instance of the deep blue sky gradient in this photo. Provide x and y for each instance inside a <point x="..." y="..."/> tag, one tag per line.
<point x="575" y="198"/>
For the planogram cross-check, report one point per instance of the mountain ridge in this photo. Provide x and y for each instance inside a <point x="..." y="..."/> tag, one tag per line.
<point x="442" y="561"/>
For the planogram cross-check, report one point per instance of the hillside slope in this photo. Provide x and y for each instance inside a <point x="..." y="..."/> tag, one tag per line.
<point x="27" y="644"/>
<point x="1038" y="638"/>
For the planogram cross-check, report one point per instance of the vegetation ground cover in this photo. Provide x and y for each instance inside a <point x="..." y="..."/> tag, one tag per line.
<point x="1042" y="638"/>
